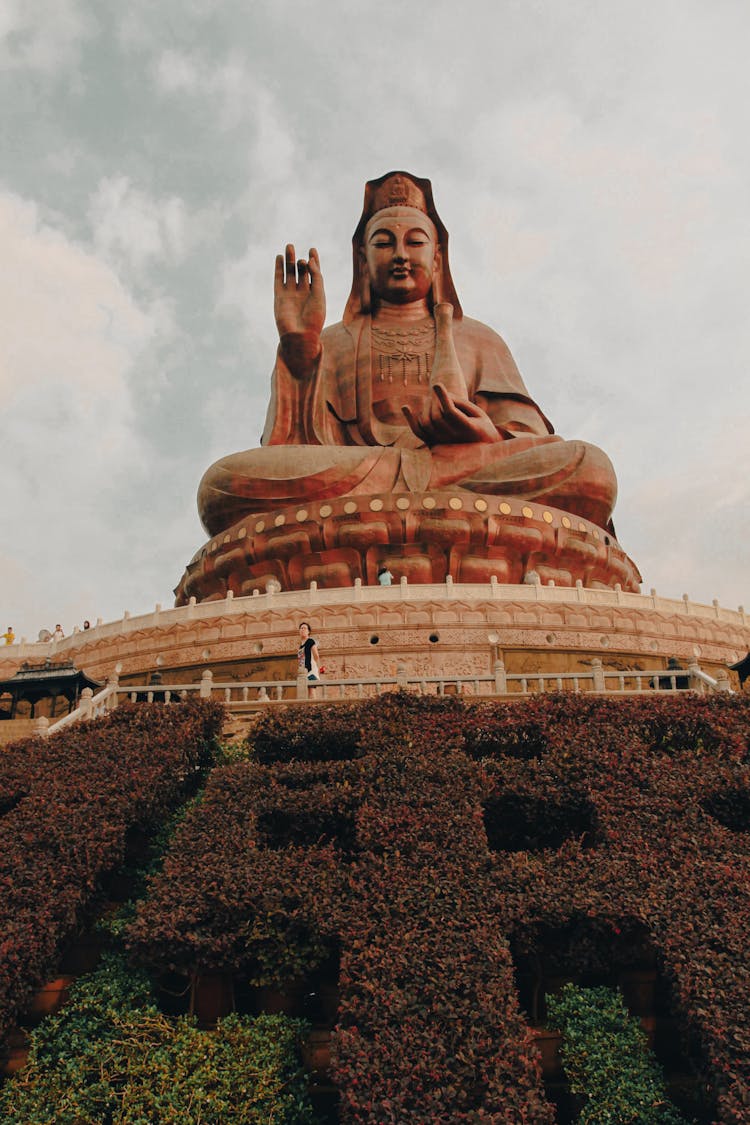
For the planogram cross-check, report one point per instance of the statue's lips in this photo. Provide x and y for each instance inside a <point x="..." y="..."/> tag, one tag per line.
<point x="400" y="272"/>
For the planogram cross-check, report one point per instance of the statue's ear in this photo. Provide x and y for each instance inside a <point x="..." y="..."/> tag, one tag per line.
<point x="437" y="278"/>
<point x="365" y="296"/>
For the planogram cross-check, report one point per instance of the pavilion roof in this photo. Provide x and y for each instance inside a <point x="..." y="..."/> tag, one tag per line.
<point x="742" y="667"/>
<point x="47" y="677"/>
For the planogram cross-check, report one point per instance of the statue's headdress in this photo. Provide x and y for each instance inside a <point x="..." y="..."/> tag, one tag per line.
<point x="398" y="189"/>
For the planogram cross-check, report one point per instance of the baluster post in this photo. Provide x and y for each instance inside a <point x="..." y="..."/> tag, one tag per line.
<point x="598" y="670"/>
<point x="501" y="679"/>
<point x="86" y="703"/>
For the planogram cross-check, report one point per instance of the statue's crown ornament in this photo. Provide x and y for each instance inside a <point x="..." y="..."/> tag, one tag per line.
<point x="399" y="191"/>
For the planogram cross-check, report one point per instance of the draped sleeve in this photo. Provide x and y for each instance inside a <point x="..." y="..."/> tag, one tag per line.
<point x="492" y="375"/>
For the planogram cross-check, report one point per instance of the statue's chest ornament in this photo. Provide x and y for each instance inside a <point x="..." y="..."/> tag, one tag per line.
<point x="403" y="354"/>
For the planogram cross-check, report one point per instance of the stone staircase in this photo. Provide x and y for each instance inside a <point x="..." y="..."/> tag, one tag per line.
<point x="238" y="724"/>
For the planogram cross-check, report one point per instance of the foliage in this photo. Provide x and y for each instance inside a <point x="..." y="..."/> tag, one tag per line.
<point x="110" y="1055"/>
<point x="225" y="902"/>
<point x="365" y="828"/>
<point x="607" y="1060"/>
<point x="71" y="805"/>
<point x="295" y="735"/>
<point x="423" y="840"/>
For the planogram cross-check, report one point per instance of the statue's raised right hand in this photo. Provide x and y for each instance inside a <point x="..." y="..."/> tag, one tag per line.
<point x="299" y="298"/>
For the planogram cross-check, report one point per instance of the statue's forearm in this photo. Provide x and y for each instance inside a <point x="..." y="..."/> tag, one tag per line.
<point x="300" y="352"/>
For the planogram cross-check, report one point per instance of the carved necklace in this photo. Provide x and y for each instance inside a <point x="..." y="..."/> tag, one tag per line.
<point x="404" y="353"/>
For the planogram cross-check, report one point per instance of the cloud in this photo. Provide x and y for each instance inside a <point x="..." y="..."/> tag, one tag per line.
<point x="232" y="84"/>
<point x="72" y="334"/>
<point x="131" y="227"/>
<point x="68" y="322"/>
<point x="43" y="36"/>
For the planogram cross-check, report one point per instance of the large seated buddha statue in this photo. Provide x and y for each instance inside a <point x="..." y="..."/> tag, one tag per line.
<point x="402" y="436"/>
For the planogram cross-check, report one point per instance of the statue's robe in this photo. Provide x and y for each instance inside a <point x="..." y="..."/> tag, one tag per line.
<point x="323" y="439"/>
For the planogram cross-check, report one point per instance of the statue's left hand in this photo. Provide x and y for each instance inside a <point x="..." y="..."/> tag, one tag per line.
<point x="449" y="420"/>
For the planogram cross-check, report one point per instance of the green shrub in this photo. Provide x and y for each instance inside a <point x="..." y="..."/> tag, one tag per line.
<point x="607" y="1060"/>
<point x="112" y="1056"/>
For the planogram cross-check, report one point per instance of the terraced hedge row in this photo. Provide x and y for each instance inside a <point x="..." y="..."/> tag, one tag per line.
<point x="67" y="806"/>
<point x="429" y="843"/>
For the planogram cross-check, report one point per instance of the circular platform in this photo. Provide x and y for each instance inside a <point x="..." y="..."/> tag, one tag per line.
<point x="442" y="629"/>
<point x="423" y="537"/>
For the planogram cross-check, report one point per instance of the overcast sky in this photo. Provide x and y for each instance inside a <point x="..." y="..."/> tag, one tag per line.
<point x="591" y="160"/>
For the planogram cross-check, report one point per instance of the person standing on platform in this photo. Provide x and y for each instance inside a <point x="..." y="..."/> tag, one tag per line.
<point x="385" y="578"/>
<point x="308" y="657"/>
<point x="9" y="636"/>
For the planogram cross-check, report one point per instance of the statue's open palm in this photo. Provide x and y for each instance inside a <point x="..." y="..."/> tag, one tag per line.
<point x="299" y="297"/>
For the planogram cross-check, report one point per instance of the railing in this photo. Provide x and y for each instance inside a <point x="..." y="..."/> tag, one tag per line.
<point x="91" y="707"/>
<point x="257" y="694"/>
<point x="360" y="594"/>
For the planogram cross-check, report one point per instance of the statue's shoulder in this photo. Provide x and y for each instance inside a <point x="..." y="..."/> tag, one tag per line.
<point x="483" y="339"/>
<point x="339" y="340"/>
<point x="337" y="336"/>
<point x="334" y="331"/>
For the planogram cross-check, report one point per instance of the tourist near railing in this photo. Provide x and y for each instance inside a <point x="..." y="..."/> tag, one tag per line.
<point x="255" y="694"/>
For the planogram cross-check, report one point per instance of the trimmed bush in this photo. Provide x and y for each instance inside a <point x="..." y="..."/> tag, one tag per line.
<point x="369" y="830"/>
<point x="71" y="804"/>
<point x="397" y="874"/>
<point x="607" y="1060"/>
<point x="111" y="1056"/>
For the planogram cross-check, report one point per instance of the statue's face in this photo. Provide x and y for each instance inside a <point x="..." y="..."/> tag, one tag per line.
<point x="400" y="249"/>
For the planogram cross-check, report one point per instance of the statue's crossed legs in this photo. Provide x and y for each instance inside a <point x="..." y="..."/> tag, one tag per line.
<point x="571" y="475"/>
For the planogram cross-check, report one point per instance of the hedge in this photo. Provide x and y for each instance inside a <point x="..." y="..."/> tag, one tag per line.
<point x="381" y="830"/>
<point x="67" y="806"/>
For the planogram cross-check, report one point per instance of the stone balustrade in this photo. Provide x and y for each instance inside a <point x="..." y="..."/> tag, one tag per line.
<point x="361" y="595"/>
<point x="256" y="695"/>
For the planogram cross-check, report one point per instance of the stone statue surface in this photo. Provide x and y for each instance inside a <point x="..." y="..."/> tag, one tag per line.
<point x="404" y="394"/>
<point x="404" y="397"/>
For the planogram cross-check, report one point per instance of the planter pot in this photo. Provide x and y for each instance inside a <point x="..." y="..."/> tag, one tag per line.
<point x="49" y="999"/>
<point x="316" y="1052"/>
<point x="548" y="1044"/>
<point x="211" y="997"/>
<point x="15" y="1053"/>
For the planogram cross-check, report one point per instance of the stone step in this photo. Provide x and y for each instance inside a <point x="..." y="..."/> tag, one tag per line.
<point x="238" y="724"/>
